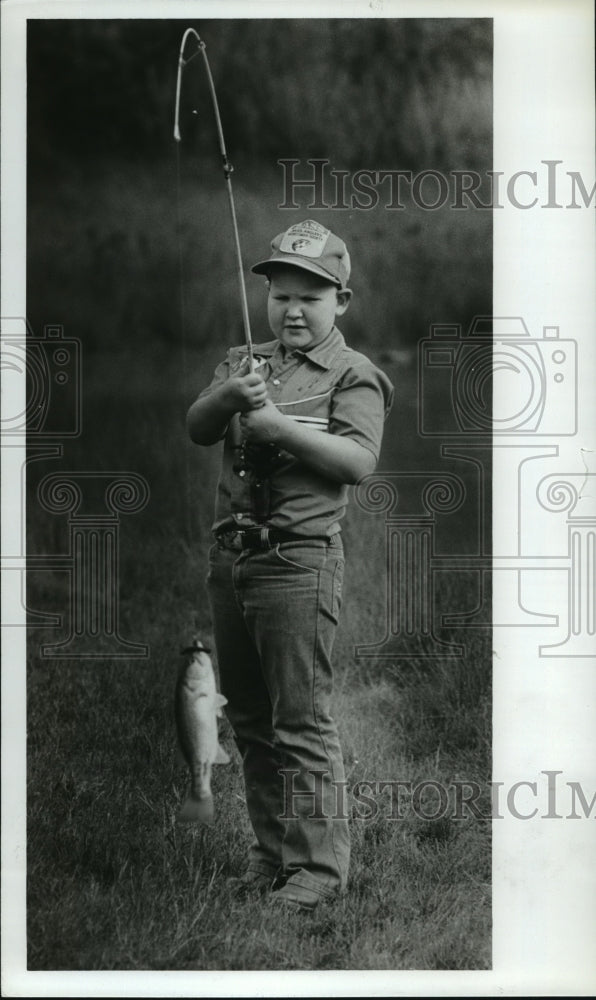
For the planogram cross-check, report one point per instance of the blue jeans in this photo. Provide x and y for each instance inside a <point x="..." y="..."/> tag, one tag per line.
<point x="275" y="613"/>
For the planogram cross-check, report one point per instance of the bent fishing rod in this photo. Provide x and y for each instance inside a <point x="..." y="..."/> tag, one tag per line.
<point x="227" y="168"/>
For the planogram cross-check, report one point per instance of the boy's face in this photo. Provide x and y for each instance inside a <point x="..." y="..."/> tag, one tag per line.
<point x="302" y="307"/>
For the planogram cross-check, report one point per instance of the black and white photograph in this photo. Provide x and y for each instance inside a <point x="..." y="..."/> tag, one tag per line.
<point x="298" y="603"/>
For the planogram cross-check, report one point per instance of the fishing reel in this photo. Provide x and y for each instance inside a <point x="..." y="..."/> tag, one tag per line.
<point x="262" y="459"/>
<point x="259" y="462"/>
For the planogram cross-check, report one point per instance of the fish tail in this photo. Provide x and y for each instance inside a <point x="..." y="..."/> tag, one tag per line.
<point x="196" y="810"/>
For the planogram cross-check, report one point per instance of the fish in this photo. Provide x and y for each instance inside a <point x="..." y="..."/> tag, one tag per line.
<point x="198" y="705"/>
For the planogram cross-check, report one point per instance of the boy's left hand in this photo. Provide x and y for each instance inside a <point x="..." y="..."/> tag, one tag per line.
<point x="263" y="425"/>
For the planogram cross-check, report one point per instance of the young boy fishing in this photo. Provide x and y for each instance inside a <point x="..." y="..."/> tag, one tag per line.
<point x="300" y="427"/>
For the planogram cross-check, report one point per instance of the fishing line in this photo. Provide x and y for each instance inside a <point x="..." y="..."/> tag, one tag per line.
<point x="227" y="170"/>
<point x="185" y="368"/>
<point x="226" y="165"/>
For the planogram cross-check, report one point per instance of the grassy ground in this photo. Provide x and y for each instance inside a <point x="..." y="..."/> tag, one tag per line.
<point x="112" y="882"/>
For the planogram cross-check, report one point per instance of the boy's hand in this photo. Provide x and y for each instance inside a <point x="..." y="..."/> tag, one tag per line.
<point x="245" y="391"/>
<point x="262" y="425"/>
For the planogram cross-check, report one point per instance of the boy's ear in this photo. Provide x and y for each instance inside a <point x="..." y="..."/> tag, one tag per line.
<point x="343" y="300"/>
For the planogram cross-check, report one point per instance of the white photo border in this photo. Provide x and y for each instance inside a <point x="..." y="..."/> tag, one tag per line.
<point x="544" y="265"/>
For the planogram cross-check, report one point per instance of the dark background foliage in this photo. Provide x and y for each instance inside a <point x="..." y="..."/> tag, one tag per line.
<point x="120" y="216"/>
<point x="343" y="89"/>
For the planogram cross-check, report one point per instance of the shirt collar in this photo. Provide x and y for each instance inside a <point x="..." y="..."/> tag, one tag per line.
<point x="323" y="354"/>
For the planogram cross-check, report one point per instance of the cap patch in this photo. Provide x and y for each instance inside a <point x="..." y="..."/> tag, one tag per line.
<point x="305" y="238"/>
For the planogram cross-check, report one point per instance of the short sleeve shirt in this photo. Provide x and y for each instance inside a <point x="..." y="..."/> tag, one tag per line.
<point x="329" y="389"/>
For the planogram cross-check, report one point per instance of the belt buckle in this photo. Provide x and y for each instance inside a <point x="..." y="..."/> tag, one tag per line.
<point x="256" y="538"/>
<point x="264" y="538"/>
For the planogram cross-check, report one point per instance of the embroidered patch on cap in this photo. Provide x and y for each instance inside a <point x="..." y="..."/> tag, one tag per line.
<point x="305" y="238"/>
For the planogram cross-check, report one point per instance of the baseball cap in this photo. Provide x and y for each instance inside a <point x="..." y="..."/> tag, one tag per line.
<point x="312" y="247"/>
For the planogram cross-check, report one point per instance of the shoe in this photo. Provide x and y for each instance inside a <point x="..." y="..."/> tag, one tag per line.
<point x="251" y="883"/>
<point x="296" y="897"/>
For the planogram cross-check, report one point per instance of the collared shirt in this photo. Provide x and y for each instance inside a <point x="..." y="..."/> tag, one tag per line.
<point x="329" y="388"/>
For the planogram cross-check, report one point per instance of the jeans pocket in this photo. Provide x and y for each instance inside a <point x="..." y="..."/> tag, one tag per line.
<point x="308" y="558"/>
<point x="336" y="588"/>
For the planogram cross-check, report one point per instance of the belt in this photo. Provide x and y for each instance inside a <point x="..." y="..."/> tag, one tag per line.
<point x="260" y="538"/>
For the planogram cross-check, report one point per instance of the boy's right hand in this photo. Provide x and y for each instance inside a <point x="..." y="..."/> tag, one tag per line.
<point x="246" y="390"/>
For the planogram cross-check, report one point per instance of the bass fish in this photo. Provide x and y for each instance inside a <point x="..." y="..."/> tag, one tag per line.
<point x="198" y="706"/>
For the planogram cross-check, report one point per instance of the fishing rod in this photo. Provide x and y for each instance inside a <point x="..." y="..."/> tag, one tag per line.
<point x="227" y="169"/>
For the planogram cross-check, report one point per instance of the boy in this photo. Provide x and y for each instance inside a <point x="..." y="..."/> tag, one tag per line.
<point x="300" y="427"/>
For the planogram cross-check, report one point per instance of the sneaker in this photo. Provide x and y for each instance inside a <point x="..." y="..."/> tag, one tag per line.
<point x="251" y="883"/>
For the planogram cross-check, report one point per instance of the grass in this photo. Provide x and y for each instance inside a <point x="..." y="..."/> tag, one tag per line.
<point x="113" y="883"/>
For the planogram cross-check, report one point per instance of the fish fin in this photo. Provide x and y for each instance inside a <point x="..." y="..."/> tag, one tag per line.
<point x="195" y="810"/>
<point x="221" y="756"/>
<point x="220" y="700"/>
